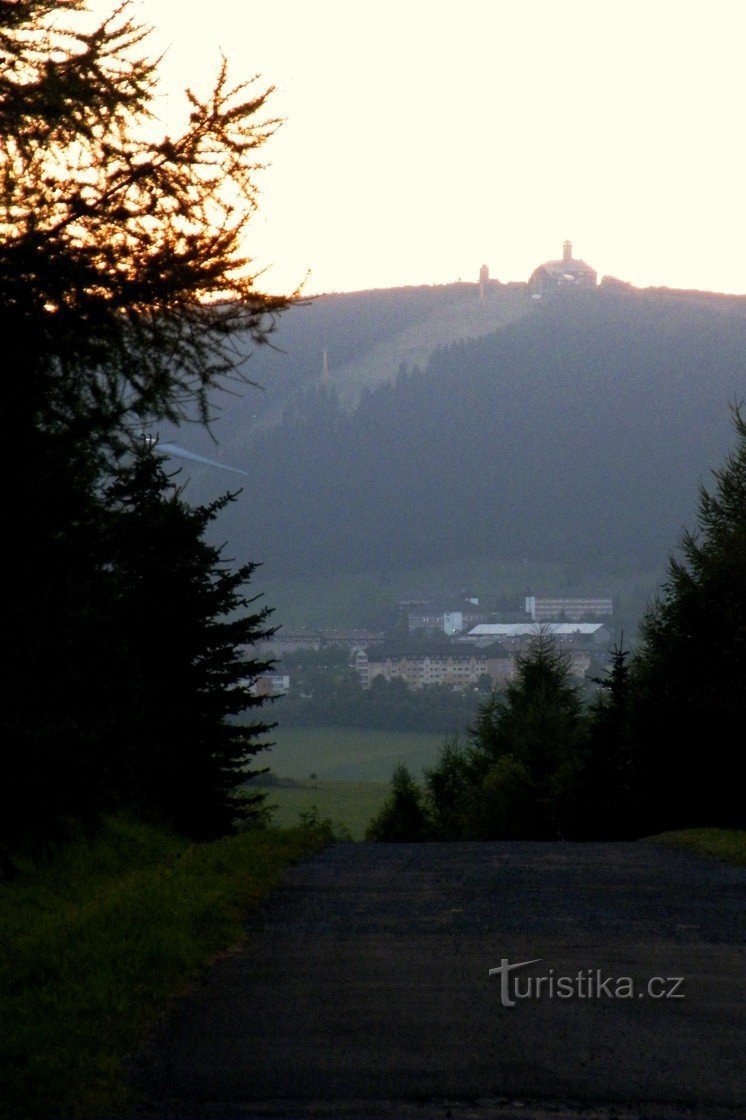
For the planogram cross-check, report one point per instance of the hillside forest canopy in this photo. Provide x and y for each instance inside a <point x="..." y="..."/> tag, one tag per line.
<point x="574" y="436"/>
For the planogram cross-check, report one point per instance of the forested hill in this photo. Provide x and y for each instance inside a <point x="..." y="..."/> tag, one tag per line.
<point x="576" y="434"/>
<point x="366" y="336"/>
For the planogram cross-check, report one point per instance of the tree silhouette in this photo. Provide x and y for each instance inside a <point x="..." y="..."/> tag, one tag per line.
<point x="184" y="667"/>
<point x="125" y="297"/>
<point x="689" y="680"/>
<point x="611" y="796"/>
<point x="123" y="278"/>
<point x="528" y="749"/>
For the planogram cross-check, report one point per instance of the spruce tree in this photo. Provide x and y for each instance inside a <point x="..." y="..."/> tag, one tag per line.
<point x="126" y="296"/>
<point x="611" y="797"/>
<point x="185" y="726"/>
<point x="124" y="284"/>
<point x="528" y="750"/>
<point x="401" y="818"/>
<point x="690" y="672"/>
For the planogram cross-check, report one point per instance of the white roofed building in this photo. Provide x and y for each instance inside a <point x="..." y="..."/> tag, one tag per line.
<point x="521" y="634"/>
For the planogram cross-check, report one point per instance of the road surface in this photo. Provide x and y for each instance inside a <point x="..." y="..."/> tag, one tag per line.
<point x="364" y="990"/>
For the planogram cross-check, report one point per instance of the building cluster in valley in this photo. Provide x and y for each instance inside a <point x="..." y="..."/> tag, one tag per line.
<point x="457" y="644"/>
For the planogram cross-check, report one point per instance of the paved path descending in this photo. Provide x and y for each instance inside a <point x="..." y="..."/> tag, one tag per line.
<point x="366" y="980"/>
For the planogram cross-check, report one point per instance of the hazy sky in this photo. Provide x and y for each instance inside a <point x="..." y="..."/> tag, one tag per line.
<point x="422" y="139"/>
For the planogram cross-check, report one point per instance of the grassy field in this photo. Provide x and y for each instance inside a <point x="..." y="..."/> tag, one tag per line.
<point x="728" y="844"/>
<point x="338" y="754"/>
<point x="348" y="805"/>
<point x="95" y="943"/>
<point x="351" y="770"/>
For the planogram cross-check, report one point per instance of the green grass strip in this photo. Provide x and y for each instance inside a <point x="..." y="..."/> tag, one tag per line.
<point x="728" y="844"/>
<point x="95" y="944"/>
<point x="349" y="806"/>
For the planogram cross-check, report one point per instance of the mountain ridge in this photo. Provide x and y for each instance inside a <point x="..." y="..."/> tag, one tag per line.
<point x="574" y="433"/>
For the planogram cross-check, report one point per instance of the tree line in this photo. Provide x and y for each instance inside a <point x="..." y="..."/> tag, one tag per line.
<point x="326" y="692"/>
<point x="656" y="749"/>
<point x="124" y="293"/>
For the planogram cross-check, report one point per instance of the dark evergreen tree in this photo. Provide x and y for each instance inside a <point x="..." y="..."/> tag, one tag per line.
<point x="125" y="296"/>
<point x="611" y="798"/>
<point x="528" y="751"/>
<point x="181" y="744"/>
<point x="402" y="817"/>
<point x="690" y="672"/>
<point x="449" y="791"/>
<point x="521" y="774"/>
<point x="56" y="653"/>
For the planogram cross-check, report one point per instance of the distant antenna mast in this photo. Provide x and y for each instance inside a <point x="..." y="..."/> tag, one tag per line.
<point x="325" y="367"/>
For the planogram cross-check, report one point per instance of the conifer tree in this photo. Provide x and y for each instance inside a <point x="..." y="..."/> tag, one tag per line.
<point x="182" y="699"/>
<point x="689" y="675"/>
<point x="401" y="818"/>
<point x="126" y="296"/>
<point x="124" y="282"/>
<point x="611" y="798"/>
<point x="528" y="751"/>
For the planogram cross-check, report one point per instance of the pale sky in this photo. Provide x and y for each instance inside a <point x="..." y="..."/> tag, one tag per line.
<point x="423" y="139"/>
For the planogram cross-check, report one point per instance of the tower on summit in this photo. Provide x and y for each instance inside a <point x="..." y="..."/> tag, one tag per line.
<point x="484" y="279"/>
<point x="565" y="273"/>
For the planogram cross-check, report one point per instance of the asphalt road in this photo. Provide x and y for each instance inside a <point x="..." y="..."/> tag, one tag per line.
<point x="363" y="990"/>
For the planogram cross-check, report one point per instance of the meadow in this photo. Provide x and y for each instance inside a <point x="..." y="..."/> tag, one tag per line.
<point x="349" y="806"/>
<point x="339" y="774"/>
<point x="348" y="755"/>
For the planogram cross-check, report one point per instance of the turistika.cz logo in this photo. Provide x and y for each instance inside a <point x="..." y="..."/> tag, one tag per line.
<point x="587" y="983"/>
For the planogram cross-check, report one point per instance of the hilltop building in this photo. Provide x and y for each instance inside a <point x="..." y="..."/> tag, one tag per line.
<point x="553" y="276"/>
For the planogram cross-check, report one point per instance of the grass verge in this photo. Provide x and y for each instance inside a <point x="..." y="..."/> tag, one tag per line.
<point x="94" y="944"/>
<point x="728" y="844"/>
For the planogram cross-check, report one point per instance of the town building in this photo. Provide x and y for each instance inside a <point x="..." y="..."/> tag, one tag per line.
<point x="520" y="635"/>
<point x="568" y="610"/>
<point x="449" y="618"/>
<point x="458" y="670"/>
<point x="291" y="641"/>
<point x="271" y="684"/>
